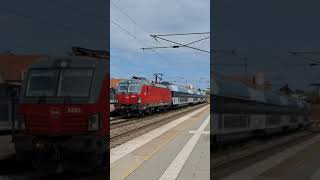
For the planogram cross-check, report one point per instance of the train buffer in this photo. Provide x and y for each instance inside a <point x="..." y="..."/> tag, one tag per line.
<point x="177" y="150"/>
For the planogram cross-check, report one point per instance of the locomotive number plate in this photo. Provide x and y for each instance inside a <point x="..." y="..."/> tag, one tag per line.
<point x="74" y="110"/>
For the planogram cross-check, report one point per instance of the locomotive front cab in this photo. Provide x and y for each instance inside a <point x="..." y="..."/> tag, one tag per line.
<point x="138" y="96"/>
<point x="64" y="102"/>
<point x="129" y="92"/>
<point x="129" y="96"/>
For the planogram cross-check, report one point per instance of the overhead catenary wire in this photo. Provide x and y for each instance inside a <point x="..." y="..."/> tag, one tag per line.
<point x="131" y="34"/>
<point x="182" y="34"/>
<point x="134" y="35"/>
<point x="175" y="46"/>
<point x="160" y="47"/>
<point x="123" y="12"/>
<point x="183" y="45"/>
<point x="43" y="21"/>
<point x="128" y="32"/>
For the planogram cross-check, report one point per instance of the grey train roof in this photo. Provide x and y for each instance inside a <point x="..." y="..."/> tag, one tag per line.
<point x="273" y="98"/>
<point x="177" y="88"/>
<point x="228" y="88"/>
<point x="73" y="61"/>
<point x="225" y="87"/>
<point x="143" y="81"/>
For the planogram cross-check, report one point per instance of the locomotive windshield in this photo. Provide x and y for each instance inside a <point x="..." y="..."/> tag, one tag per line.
<point x="134" y="88"/>
<point x="75" y="82"/>
<point x="131" y="88"/>
<point x="65" y="82"/>
<point x="42" y="83"/>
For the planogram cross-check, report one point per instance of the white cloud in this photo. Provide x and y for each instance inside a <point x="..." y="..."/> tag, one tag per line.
<point x="160" y="17"/>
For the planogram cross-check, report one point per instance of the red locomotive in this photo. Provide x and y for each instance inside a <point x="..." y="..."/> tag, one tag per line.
<point x="65" y="105"/>
<point x="139" y="96"/>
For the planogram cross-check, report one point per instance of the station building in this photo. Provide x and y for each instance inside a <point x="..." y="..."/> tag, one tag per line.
<point x="12" y="72"/>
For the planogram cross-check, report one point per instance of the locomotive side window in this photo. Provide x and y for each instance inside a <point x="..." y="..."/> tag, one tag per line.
<point x="42" y="83"/>
<point x="75" y="82"/>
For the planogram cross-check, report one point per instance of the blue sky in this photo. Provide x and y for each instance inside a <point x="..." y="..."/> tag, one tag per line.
<point x="52" y="27"/>
<point x="139" y="19"/>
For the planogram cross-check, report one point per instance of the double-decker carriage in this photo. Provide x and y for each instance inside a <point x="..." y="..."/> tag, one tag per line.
<point x="183" y="96"/>
<point x="240" y="111"/>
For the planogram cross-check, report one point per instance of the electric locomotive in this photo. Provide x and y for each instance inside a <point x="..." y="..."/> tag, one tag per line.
<point x="65" y="105"/>
<point x="138" y="96"/>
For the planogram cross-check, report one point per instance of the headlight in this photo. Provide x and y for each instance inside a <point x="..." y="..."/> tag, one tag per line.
<point x="94" y="122"/>
<point x="139" y="100"/>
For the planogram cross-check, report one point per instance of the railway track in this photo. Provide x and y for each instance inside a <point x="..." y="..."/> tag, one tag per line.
<point x="125" y="130"/>
<point x="220" y="161"/>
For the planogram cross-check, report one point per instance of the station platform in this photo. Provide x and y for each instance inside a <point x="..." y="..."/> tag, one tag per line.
<point x="6" y="147"/>
<point x="178" y="150"/>
<point x="298" y="162"/>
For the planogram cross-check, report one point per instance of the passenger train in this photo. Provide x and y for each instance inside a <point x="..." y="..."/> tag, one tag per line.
<point x="240" y="112"/>
<point x="139" y="96"/>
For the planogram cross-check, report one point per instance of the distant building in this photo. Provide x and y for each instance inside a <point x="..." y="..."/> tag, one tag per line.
<point x="13" y="66"/>
<point x="12" y="70"/>
<point x="115" y="82"/>
<point x="113" y="87"/>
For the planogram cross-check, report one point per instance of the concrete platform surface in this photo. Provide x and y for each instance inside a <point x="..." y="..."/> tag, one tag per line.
<point x="300" y="162"/>
<point x="178" y="150"/>
<point x="6" y="147"/>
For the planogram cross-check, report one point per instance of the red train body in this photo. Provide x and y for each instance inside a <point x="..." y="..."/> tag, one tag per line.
<point x="139" y="96"/>
<point x="64" y="102"/>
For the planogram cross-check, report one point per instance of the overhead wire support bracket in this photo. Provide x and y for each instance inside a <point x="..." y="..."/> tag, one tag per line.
<point x="178" y="45"/>
<point x="180" y="34"/>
